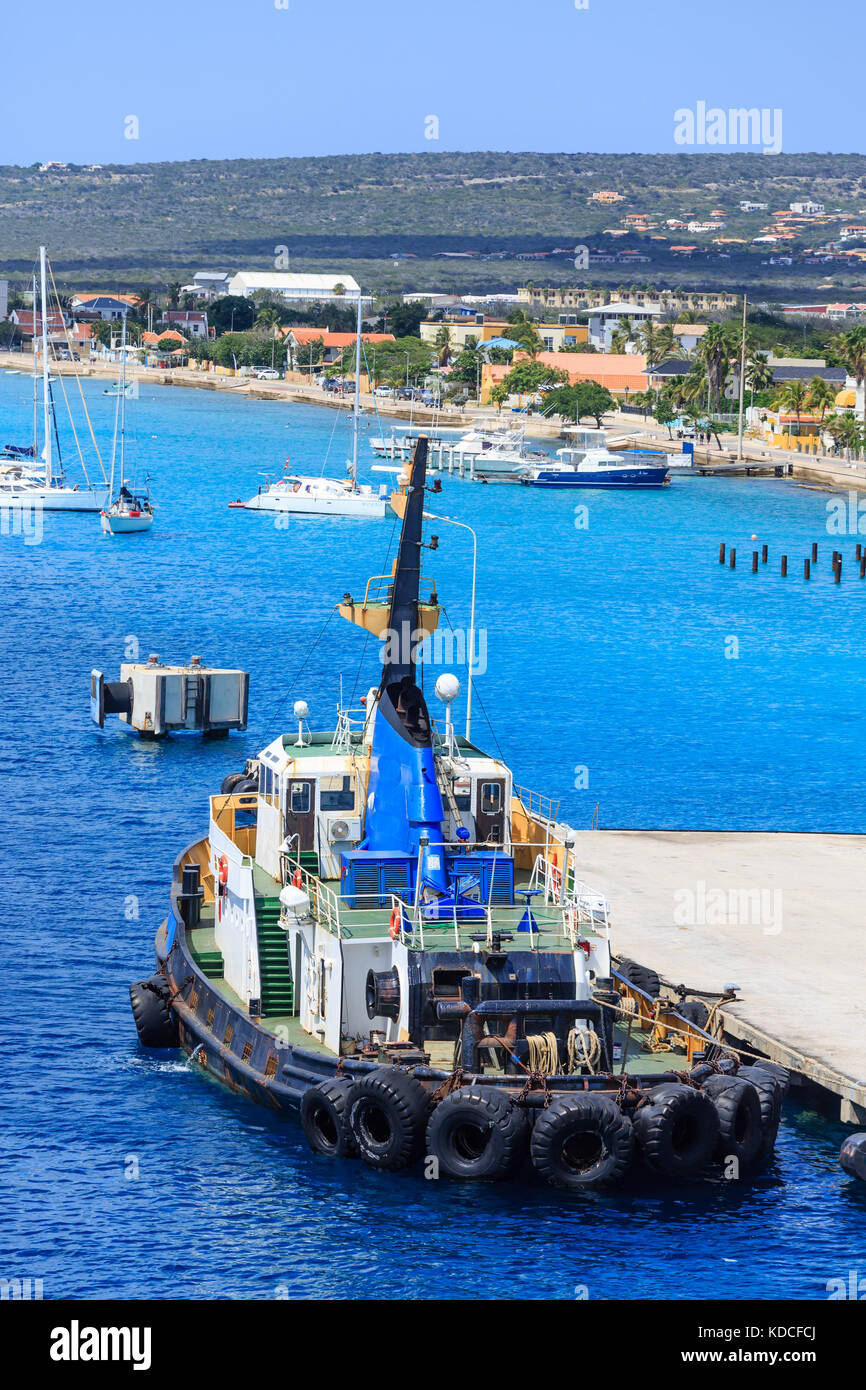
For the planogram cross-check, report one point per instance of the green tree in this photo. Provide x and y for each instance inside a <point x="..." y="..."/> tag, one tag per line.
<point x="792" y="398"/>
<point x="526" y="377"/>
<point x="664" y="413"/>
<point x="499" y="395"/>
<point x="403" y="320"/>
<point x="821" y="395"/>
<point x="234" y="313"/>
<point x="173" y="290"/>
<point x="851" y="348"/>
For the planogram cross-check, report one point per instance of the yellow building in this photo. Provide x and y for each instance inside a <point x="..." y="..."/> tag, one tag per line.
<point x="555" y="336"/>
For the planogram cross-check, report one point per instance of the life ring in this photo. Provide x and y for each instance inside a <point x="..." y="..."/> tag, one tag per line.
<point x="223" y="870"/>
<point x="297" y="878"/>
<point x="395" y="924"/>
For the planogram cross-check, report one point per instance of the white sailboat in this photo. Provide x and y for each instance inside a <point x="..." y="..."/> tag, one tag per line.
<point x="23" y="483"/>
<point x="127" y="512"/>
<point x="308" y="495"/>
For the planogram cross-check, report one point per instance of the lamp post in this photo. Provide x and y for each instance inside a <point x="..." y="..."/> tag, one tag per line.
<point x="450" y="520"/>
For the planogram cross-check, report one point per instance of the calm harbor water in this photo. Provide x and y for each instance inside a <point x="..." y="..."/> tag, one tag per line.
<point x="694" y="698"/>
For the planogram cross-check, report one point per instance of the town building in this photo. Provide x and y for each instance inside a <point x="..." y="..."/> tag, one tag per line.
<point x="300" y="287"/>
<point x="574" y="297"/>
<point x="604" y="322"/>
<point x="107" y="307"/>
<point x="192" y="322"/>
<point x="209" y="284"/>
<point x="807" y="209"/>
<point x="555" y="336"/>
<point x="4" y="298"/>
<point x="334" y="344"/>
<point x="621" y="373"/>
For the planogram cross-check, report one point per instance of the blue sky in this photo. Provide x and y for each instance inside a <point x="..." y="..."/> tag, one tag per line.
<point x="228" y="78"/>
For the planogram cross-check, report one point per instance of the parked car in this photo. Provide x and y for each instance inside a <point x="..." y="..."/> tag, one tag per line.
<point x="266" y="373"/>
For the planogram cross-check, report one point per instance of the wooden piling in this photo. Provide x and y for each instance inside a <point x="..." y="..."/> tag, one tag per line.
<point x="754" y="562"/>
<point x="732" y="560"/>
<point x="722" y="553"/>
<point x="858" y="554"/>
<point x="784" y="565"/>
<point x="764" y="553"/>
<point x="863" y="566"/>
<point x="814" y="551"/>
<point x="806" y="568"/>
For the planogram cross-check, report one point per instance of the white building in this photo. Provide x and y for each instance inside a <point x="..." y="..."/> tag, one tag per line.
<point x="746" y="206"/>
<point x="605" y="320"/>
<point x="4" y="298"/>
<point x="807" y="209"/>
<point x="209" y="284"/>
<point x="296" y="286"/>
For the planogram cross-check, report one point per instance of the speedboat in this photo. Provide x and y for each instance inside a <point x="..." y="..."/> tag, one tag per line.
<point x="599" y="468"/>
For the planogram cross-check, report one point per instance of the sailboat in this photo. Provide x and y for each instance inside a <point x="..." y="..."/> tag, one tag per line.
<point x="127" y="512"/>
<point x="308" y="495"/>
<point x="39" y="480"/>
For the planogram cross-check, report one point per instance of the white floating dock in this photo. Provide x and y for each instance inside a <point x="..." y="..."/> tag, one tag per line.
<point x="781" y="916"/>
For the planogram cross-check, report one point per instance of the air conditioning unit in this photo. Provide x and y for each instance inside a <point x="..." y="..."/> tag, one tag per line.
<point x="344" y="828"/>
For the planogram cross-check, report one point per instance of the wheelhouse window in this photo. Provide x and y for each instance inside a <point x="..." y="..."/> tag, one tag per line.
<point x="340" y="796"/>
<point x="491" y="798"/>
<point x="299" y="798"/>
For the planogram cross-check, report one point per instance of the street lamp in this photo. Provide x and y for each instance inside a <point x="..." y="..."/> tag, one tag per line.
<point x="450" y="520"/>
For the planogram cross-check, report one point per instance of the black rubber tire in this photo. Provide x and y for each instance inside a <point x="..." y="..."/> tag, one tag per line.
<point x="245" y="784"/>
<point x="228" y="784"/>
<point x="324" y="1120"/>
<point x="154" y="1020"/>
<point x="852" y="1156"/>
<point x="478" y="1134"/>
<point x="582" y="1142"/>
<point x="677" y="1128"/>
<point x="739" y="1111"/>
<point x="770" y="1100"/>
<point x="782" y="1075"/>
<point x="642" y="976"/>
<point x="387" y="1117"/>
<point x="693" y="1011"/>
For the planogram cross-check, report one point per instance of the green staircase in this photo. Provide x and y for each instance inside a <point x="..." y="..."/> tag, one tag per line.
<point x="274" y="970"/>
<point x="207" y="956"/>
<point x="309" y="860"/>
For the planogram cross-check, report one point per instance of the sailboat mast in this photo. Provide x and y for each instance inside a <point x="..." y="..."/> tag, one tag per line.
<point x="122" y="400"/>
<point x="357" y="409"/>
<point x="35" y="380"/>
<point x="46" y="403"/>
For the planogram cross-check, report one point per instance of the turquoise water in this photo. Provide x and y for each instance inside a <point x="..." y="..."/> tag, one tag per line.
<point x="605" y="650"/>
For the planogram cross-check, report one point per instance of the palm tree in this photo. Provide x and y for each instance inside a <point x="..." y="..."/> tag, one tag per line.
<point x="845" y="431"/>
<point x="851" y="347"/>
<point x="821" y="395"/>
<point x="713" y="352"/>
<point x="443" y="345"/>
<point x="667" y="343"/>
<point x="759" y="373"/>
<point x="792" y="398"/>
<point x="174" y="290"/>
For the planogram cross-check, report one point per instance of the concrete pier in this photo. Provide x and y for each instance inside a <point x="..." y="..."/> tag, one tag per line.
<point x="781" y="916"/>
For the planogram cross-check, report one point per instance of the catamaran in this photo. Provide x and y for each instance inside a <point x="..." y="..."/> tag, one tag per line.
<point x="381" y="930"/>
<point x="23" y="483"/>
<point x="309" y="495"/>
<point x="127" y="512"/>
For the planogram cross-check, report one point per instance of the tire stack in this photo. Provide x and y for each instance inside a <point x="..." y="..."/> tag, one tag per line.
<point x="581" y="1140"/>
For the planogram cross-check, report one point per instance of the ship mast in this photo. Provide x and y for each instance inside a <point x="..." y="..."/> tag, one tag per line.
<point x="356" y="412"/>
<point x="46" y="403"/>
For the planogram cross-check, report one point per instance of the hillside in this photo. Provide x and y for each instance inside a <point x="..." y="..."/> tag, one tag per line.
<point x="129" y="224"/>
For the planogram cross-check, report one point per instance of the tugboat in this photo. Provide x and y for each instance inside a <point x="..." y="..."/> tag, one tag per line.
<point x="383" y="932"/>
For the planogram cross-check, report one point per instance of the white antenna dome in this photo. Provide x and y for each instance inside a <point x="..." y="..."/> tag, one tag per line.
<point x="302" y="709"/>
<point x="447" y="687"/>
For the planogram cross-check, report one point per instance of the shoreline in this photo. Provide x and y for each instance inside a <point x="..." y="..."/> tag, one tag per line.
<point x="786" y="465"/>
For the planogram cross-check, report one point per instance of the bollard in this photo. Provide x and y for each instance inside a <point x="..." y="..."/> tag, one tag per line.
<point x="754" y="562"/>
<point x="814" y="551"/>
<point x="806" y="568"/>
<point x="764" y="553"/>
<point x="722" y="553"/>
<point x="733" y="558"/>
<point x="784" y="565"/>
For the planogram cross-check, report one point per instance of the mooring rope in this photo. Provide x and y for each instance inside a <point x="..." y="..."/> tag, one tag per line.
<point x="584" y="1049"/>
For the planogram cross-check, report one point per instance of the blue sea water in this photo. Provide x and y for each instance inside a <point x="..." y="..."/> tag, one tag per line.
<point x="695" y="697"/>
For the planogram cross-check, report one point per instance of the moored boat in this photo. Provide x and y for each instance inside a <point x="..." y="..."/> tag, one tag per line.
<point x="598" y="468"/>
<point x="383" y="931"/>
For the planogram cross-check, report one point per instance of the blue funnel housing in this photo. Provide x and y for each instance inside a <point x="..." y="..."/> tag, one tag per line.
<point x="404" y="804"/>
